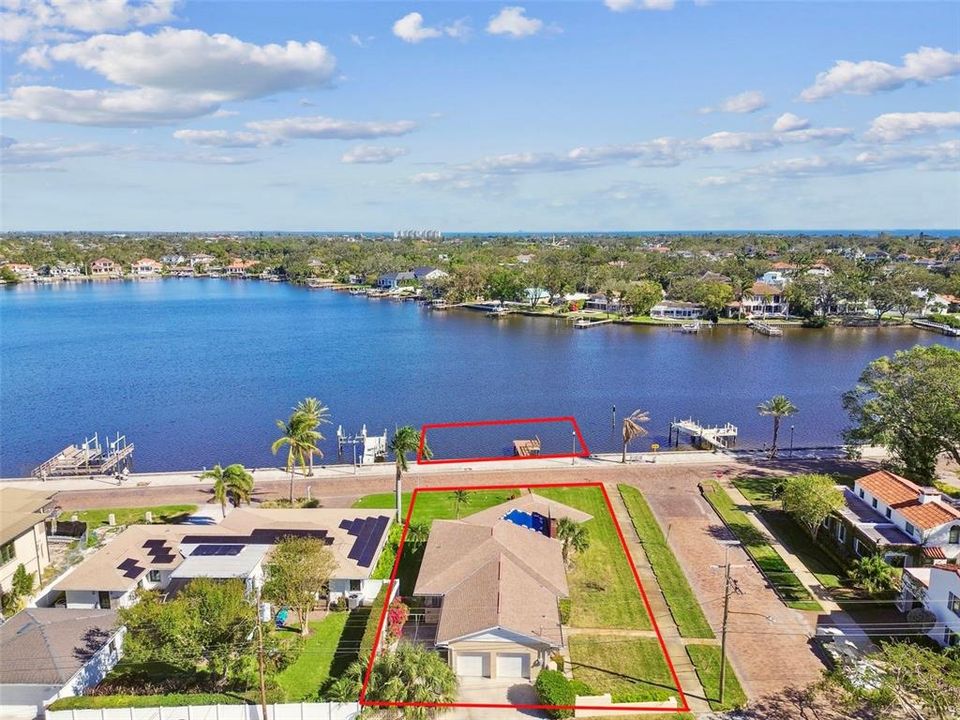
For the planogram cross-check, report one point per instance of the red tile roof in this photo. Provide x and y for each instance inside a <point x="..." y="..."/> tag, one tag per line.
<point x="934" y="552"/>
<point x="904" y="497"/>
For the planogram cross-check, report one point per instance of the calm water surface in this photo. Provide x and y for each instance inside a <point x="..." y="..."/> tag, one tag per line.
<point x="196" y="371"/>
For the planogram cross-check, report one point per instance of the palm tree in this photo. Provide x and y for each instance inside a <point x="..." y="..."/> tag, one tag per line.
<point x="405" y="440"/>
<point x="777" y="407"/>
<point x="240" y="484"/>
<point x="219" y="486"/>
<point x="572" y="536"/>
<point x="873" y="575"/>
<point x="300" y="437"/>
<point x="318" y="414"/>
<point x="460" y="497"/>
<point x="632" y="429"/>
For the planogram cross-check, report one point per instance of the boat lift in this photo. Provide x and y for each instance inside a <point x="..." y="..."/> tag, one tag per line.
<point x="373" y="448"/>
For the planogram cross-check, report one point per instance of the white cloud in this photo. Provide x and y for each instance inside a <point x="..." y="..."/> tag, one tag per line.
<point x="410" y="28"/>
<point x="320" y="127"/>
<point x="224" y="138"/>
<point x="891" y="127"/>
<point x="788" y="122"/>
<point x="46" y="19"/>
<point x="872" y="76"/>
<point x="623" y="5"/>
<point x="512" y="21"/>
<point x="45" y="155"/>
<point x="108" y="108"/>
<point x="361" y="41"/>
<point x="372" y="154"/>
<point x="745" y="102"/>
<point x="218" y="67"/>
<point x="725" y="141"/>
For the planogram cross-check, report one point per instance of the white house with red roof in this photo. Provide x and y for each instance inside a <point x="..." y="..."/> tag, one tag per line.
<point x="22" y="271"/>
<point x="937" y="589"/>
<point x="146" y="267"/>
<point x="906" y="523"/>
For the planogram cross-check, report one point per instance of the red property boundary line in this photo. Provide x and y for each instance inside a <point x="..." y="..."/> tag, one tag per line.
<point x="584" y="450"/>
<point x="684" y="706"/>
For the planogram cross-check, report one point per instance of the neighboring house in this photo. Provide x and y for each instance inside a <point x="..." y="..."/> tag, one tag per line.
<point x="145" y="267"/>
<point x="599" y="301"/>
<point x="202" y="259"/>
<point x="877" y="256"/>
<point x="766" y="300"/>
<point x="937" y="589"/>
<point x="22" y="271"/>
<point x="889" y="515"/>
<point x="774" y="277"/>
<point x="52" y="653"/>
<point x="676" y="310"/>
<point x="710" y="276"/>
<point x="104" y="267"/>
<point x="491" y="583"/>
<point x="820" y="270"/>
<point x="428" y="274"/>
<point x="23" y="534"/>
<point x="61" y="271"/>
<point x="173" y="260"/>
<point x="536" y="296"/>
<point x="238" y="268"/>
<point x="392" y="280"/>
<point x="166" y="557"/>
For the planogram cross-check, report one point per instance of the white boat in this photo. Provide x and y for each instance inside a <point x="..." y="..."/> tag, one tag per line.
<point x="693" y="327"/>
<point x="439" y="305"/>
<point x="357" y="291"/>
<point x="498" y="312"/>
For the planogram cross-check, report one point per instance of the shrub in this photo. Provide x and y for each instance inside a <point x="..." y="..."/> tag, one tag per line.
<point x="553" y="688"/>
<point x="948" y="320"/>
<point x="564" y="607"/>
<point x="373" y="620"/>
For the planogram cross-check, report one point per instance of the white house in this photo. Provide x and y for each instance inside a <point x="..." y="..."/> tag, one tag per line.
<point x="145" y="267"/>
<point x="766" y="300"/>
<point x="52" y="653"/>
<point x="392" y="280"/>
<point x="174" y="259"/>
<point x="428" y="274"/>
<point x="676" y="310"/>
<point x="165" y="557"/>
<point x="536" y="296"/>
<point x="774" y="277"/>
<point x="937" y="589"/>
<point x="23" y="534"/>
<point x="202" y="259"/>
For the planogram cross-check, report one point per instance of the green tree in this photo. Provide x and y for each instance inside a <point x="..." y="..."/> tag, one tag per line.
<point x="460" y="497"/>
<point x="777" y="407"/>
<point x="405" y="440"/>
<point x="298" y="570"/>
<point x="21" y="587"/>
<point x="810" y="499"/>
<point x="315" y="414"/>
<point x="873" y="574"/>
<point x="714" y="296"/>
<point x="573" y="536"/>
<point x="633" y="428"/>
<point x="300" y="436"/>
<point x="206" y="628"/>
<point x="409" y="674"/>
<point x="504" y="284"/>
<point x="642" y="295"/>
<point x="910" y="404"/>
<point x="9" y="276"/>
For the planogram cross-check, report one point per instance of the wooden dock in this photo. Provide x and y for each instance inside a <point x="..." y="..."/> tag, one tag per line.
<point x="526" y="448"/>
<point x="720" y="437"/>
<point x="936" y="327"/>
<point x="584" y="323"/>
<point x="88" y="458"/>
<point x="765" y="328"/>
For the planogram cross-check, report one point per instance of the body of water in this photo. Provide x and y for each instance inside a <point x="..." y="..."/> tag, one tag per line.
<point x="196" y="371"/>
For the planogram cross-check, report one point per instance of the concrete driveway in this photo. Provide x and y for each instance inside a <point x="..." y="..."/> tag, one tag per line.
<point x="512" y="691"/>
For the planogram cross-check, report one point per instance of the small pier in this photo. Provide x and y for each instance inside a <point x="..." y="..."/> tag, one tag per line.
<point x="526" y="448"/>
<point x="88" y="458"/>
<point x="720" y="437"/>
<point x="373" y="448"/>
<point x="936" y="327"/>
<point x="584" y="323"/>
<point x="765" y="328"/>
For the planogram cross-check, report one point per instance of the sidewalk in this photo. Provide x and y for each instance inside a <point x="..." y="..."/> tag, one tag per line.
<point x="676" y="647"/>
<point x="837" y="616"/>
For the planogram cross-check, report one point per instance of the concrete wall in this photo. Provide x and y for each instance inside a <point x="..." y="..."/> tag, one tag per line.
<point x="369" y="589"/>
<point x="31" y="552"/>
<point x="22" y="702"/>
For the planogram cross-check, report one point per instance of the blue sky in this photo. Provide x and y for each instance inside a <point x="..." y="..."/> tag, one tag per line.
<point x="599" y="115"/>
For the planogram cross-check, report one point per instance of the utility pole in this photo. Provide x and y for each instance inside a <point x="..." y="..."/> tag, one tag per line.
<point x="260" y="660"/>
<point x="730" y="586"/>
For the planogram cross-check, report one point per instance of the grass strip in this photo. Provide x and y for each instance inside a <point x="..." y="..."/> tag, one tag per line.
<point x="706" y="661"/>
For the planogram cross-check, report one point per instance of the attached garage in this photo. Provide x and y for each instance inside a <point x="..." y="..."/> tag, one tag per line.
<point x="513" y="665"/>
<point x="473" y="664"/>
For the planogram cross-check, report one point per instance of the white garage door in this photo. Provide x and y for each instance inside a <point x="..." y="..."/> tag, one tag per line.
<point x="471" y="664"/>
<point x="513" y="665"/>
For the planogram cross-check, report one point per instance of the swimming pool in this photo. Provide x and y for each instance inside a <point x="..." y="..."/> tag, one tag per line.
<point x="531" y="521"/>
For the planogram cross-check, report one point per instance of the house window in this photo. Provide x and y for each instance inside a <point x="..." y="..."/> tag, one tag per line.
<point x="356" y="585"/>
<point x="841" y="532"/>
<point x="950" y="638"/>
<point x="153" y="576"/>
<point x="7" y="553"/>
<point x="861" y="494"/>
<point x="910" y="529"/>
<point x="887" y="513"/>
<point x="104" y="599"/>
<point x="953" y="602"/>
<point x="954" y="535"/>
<point x="858" y="547"/>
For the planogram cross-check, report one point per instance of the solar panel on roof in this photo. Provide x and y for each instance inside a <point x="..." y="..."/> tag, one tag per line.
<point x="368" y="539"/>
<point x="154" y="543"/>
<point x="127" y="564"/>
<point x="210" y="550"/>
<point x="164" y="559"/>
<point x="347" y="525"/>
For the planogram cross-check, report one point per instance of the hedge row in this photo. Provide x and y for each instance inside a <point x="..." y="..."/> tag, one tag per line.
<point x="948" y="320"/>
<point x="84" y="702"/>
<point x="373" y="620"/>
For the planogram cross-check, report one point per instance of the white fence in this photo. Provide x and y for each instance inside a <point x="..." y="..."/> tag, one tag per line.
<point x="288" y="711"/>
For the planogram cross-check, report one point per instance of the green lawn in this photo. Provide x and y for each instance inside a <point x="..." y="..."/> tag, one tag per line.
<point x="302" y="679"/>
<point x="430" y="506"/>
<point x="129" y="516"/>
<point x="631" y="670"/>
<point x="676" y="590"/>
<point x="777" y="571"/>
<point x="706" y="661"/>
<point x="603" y="591"/>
